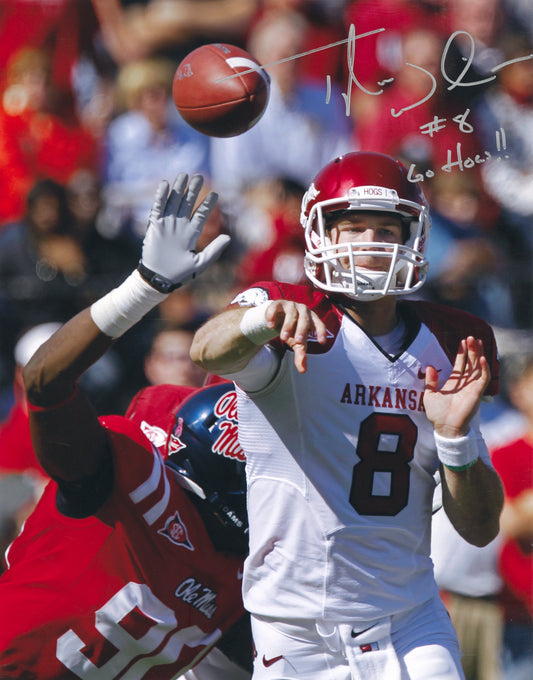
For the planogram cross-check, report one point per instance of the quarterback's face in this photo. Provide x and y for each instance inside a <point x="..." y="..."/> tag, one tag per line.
<point x="369" y="228"/>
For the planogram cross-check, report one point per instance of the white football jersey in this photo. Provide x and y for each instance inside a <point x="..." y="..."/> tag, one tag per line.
<point x="340" y="467"/>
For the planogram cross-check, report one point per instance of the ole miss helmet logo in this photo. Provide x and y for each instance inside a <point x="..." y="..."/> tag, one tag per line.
<point x="226" y="441"/>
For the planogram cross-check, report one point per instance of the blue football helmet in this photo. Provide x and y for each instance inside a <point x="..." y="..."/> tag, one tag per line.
<point x="204" y="451"/>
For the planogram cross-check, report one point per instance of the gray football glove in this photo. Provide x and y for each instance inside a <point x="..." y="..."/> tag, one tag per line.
<point x="169" y="256"/>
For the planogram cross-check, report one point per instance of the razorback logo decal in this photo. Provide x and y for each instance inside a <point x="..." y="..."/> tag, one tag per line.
<point x="154" y="434"/>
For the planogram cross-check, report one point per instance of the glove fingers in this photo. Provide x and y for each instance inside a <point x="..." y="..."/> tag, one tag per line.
<point x="160" y="200"/>
<point x="201" y="215"/>
<point x="176" y="195"/>
<point x="187" y="204"/>
<point x="211" y="252"/>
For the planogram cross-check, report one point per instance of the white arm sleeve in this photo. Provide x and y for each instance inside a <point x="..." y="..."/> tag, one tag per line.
<point x="259" y="371"/>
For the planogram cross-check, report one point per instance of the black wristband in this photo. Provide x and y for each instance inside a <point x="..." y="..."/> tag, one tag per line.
<point x="160" y="283"/>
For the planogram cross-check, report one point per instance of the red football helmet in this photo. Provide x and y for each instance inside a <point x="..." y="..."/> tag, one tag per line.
<point x="365" y="181"/>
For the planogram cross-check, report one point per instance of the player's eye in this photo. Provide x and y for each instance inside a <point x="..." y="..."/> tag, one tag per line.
<point x="388" y="232"/>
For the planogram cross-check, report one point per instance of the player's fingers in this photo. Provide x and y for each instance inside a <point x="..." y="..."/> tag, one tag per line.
<point x="475" y="352"/>
<point x="431" y="379"/>
<point x="304" y="324"/>
<point x="485" y="371"/>
<point x="478" y="361"/>
<point x="300" y="355"/>
<point x="319" y="328"/>
<point x="288" y="316"/>
<point x="460" y="359"/>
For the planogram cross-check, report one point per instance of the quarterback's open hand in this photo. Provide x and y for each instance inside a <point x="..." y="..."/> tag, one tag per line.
<point x="169" y="247"/>
<point x="451" y="408"/>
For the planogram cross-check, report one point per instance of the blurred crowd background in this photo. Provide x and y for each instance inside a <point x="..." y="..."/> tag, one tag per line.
<point x="88" y="129"/>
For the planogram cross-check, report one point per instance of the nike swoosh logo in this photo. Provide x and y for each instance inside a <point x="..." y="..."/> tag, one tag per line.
<point x="360" y="632"/>
<point x="422" y="373"/>
<point x="269" y="662"/>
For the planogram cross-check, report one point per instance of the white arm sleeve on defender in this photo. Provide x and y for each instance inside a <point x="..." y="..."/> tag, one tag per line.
<point x="259" y="371"/>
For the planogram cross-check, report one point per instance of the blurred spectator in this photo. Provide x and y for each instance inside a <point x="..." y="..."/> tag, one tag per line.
<point x="514" y="463"/>
<point x="22" y="479"/>
<point x="470" y="267"/>
<point x="168" y="360"/>
<point x="146" y="138"/>
<point x="478" y="24"/>
<point x="40" y="264"/>
<point x="470" y="586"/>
<point x="278" y="252"/>
<point x="469" y="577"/>
<point x="401" y="121"/>
<point x="520" y="13"/>
<point x="138" y="29"/>
<point x="299" y="130"/>
<point x="379" y="56"/>
<point x="54" y="262"/>
<point x="324" y="28"/>
<point x="508" y="105"/>
<point x="16" y="450"/>
<point x="36" y="140"/>
<point x="182" y="308"/>
<point x="108" y="256"/>
<point x="505" y="120"/>
<point x="65" y="28"/>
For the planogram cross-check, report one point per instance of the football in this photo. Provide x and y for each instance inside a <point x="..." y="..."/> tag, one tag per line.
<point x="217" y="93"/>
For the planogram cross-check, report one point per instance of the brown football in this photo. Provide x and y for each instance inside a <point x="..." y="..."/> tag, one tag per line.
<point x="217" y="93"/>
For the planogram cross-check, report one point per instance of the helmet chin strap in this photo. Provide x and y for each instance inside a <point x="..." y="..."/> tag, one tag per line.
<point x="371" y="279"/>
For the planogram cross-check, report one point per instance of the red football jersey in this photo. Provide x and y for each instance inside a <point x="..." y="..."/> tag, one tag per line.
<point x="136" y="591"/>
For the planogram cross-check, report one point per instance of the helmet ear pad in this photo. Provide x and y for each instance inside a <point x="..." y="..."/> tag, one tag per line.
<point x="204" y="452"/>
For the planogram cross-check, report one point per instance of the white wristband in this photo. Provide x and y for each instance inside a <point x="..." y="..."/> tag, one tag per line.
<point x="254" y="326"/>
<point x="458" y="454"/>
<point x="124" y="306"/>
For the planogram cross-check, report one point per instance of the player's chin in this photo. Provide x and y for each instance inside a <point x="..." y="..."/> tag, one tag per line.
<point x="376" y="264"/>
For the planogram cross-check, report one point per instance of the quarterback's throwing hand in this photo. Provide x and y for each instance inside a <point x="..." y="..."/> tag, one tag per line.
<point x="451" y="408"/>
<point x="169" y="256"/>
<point x="295" y="322"/>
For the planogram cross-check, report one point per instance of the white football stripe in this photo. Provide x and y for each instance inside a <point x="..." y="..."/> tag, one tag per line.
<point x="235" y="62"/>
